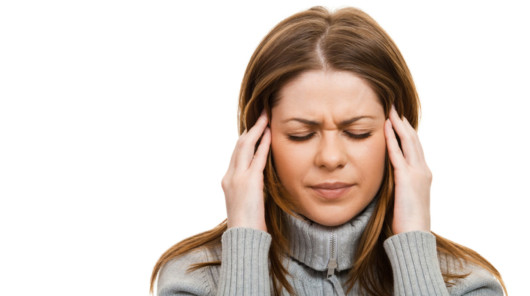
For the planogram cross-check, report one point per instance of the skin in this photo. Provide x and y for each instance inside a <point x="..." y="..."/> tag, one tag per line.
<point x="329" y="154"/>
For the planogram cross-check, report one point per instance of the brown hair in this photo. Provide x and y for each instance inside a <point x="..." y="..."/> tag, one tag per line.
<point x="346" y="40"/>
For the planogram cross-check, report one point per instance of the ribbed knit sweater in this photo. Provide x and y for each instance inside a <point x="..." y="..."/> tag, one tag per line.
<point x="318" y="263"/>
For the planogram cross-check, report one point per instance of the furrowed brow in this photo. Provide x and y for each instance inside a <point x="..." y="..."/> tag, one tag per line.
<point x="316" y="123"/>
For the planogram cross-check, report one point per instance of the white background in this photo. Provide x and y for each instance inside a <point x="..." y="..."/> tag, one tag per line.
<point x="118" y="119"/>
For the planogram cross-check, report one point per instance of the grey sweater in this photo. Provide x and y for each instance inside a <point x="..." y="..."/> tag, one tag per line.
<point x="319" y="260"/>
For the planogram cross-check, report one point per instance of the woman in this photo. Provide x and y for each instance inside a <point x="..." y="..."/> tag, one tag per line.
<point x="327" y="191"/>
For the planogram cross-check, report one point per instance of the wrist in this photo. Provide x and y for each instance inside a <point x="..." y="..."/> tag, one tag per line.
<point x="409" y="226"/>
<point x="243" y="223"/>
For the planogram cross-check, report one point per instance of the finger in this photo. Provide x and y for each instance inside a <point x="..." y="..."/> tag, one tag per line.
<point x="406" y="136"/>
<point x="394" y="152"/>
<point x="246" y="146"/>
<point x="257" y="130"/>
<point x="260" y="158"/>
<point x="416" y="142"/>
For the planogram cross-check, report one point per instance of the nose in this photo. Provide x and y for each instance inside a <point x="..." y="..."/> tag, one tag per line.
<point x="331" y="152"/>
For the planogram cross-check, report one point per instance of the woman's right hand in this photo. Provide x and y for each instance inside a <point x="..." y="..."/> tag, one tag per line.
<point x="243" y="182"/>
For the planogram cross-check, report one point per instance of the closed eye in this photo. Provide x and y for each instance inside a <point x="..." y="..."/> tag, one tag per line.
<point x="310" y="135"/>
<point x="301" y="138"/>
<point x="358" y="136"/>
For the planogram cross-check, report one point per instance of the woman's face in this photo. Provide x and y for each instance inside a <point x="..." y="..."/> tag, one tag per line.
<point x="328" y="144"/>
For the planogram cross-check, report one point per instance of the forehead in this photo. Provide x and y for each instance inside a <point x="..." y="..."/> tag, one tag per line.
<point x="327" y="95"/>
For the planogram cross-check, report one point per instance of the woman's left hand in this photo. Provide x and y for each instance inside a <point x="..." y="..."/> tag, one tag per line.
<point x="412" y="177"/>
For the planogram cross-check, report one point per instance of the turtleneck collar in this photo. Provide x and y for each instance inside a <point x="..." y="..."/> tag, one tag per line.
<point x="314" y="244"/>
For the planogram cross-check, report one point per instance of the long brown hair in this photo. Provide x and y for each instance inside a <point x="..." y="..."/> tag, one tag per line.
<point x="346" y="40"/>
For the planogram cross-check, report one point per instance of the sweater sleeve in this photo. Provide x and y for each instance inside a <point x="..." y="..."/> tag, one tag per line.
<point x="416" y="269"/>
<point x="245" y="262"/>
<point x="244" y="268"/>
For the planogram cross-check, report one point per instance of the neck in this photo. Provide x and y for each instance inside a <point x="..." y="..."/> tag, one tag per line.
<point x="326" y="248"/>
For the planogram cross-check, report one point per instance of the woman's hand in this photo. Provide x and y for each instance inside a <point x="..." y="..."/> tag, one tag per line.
<point x="243" y="182"/>
<point x="412" y="177"/>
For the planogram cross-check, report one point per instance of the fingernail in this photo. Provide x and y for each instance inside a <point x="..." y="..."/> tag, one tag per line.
<point x="264" y="114"/>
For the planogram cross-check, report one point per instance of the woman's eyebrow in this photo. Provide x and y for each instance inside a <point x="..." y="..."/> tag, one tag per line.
<point x="317" y="123"/>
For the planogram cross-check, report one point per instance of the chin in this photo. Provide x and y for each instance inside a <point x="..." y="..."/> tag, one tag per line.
<point x="331" y="217"/>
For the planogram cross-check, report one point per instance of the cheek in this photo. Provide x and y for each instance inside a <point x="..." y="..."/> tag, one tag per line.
<point x="373" y="160"/>
<point x="289" y="159"/>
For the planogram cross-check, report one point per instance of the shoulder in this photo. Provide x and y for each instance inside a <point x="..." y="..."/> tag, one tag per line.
<point x="175" y="278"/>
<point x="477" y="280"/>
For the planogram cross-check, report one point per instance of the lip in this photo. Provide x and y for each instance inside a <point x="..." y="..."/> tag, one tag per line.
<point x="331" y="190"/>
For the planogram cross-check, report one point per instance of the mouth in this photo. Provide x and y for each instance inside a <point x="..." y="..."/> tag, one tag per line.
<point x="331" y="191"/>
